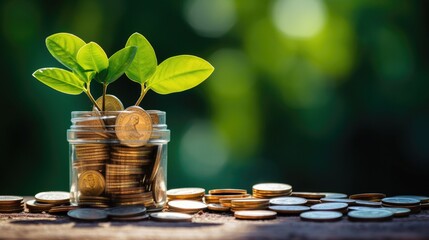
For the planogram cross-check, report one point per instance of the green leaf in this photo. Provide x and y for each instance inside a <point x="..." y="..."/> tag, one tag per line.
<point x="61" y="80"/>
<point x="64" y="47"/>
<point x="179" y="73"/>
<point x="118" y="63"/>
<point x="92" y="57"/>
<point x="144" y="63"/>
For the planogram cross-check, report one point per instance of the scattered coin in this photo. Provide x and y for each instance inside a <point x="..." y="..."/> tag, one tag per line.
<point x="289" y="209"/>
<point x="368" y="196"/>
<point x="422" y="199"/>
<point x="356" y="208"/>
<point x="288" y="201"/>
<point x="255" y="214"/>
<point x="217" y="207"/>
<point x="131" y="218"/>
<point x="330" y="207"/>
<point x="310" y="195"/>
<point x="185" y="193"/>
<point x="171" y="217"/>
<point x="186" y="206"/>
<point x="54" y="197"/>
<point x="334" y="195"/>
<point x="398" y="212"/>
<point x="340" y="200"/>
<point x="321" y="216"/>
<point x="370" y="215"/>
<point x="227" y="191"/>
<point x="6" y="199"/>
<point x="87" y="214"/>
<point x="35" y="207"/>
<point x="126" y="211"/>
<point x="400" y="201"/>
<point x="368" y="203"/>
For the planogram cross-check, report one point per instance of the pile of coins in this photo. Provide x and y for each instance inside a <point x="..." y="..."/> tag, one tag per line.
<point x="271" y="190"/>
<point x="11" y="204"/>
<point x="52" y="202"/>
<point x="114" y="160"/>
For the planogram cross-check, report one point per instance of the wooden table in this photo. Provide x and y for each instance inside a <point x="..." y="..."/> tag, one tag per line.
<point x="210" y="226"/>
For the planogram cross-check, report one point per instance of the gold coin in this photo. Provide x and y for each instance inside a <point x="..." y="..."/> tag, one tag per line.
<point x="368" y="196"/>
<point x="310" y="195"/>
<point x="160" y="188"/>
<point x="5" y="200"/>
<point x="187" y="206"/>
<point x="91" y="183"/>
<point x="134" y="127"/>
<point x="112" y="103"/>
<point x="255" y="214"/>
<point x="157" y="163"/>
<point x="217" y="207"/>
<point x="185" y="193"/>
<point x="227" y="191"/>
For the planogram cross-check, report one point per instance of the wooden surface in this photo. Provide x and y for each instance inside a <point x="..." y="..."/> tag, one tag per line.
<point x="210" y="226"/>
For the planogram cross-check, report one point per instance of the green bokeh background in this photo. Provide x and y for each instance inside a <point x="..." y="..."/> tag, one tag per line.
<point x="324" y="95"/>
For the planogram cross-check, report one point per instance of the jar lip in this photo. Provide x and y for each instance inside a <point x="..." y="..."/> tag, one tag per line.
<point x="89" y="112"/>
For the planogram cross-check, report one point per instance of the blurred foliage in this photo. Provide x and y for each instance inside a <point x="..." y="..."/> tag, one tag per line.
<point x="324" y="95"/>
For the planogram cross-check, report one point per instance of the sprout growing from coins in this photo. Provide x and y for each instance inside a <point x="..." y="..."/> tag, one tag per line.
<point x="88" y="61"/>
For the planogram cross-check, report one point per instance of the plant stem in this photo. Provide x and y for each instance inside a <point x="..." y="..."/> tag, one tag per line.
<point x="104" y="96"/>
<point x="142" y="94"/>
<point x="88" y="93"/>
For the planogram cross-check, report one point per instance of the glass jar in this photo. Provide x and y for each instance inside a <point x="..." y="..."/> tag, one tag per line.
<point x="118" y="158"/>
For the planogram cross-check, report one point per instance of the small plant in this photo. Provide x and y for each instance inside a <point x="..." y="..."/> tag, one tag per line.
<point x="88" y="61"/>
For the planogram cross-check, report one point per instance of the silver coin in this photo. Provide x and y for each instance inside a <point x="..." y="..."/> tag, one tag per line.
<point x="321" y="216"/>
<point x="126" y="211"/>
<point x="370" y="215"/>
<point x="171" y="217"/>
<point x="335" y="195"/>
<point x="420" y="198"/>
<point x="288" y="201"/>
<point x="290" y="210"/>
<point x="132" y="218"/>
<point x="356" y="208"/>
<point x="341" y="200"/>
<point x="398" y="212"/>
<point x="87" y="214"/>
<point x="368" y="203"/>
<point x="329" y="206"/>
<point x="400" y="201"/>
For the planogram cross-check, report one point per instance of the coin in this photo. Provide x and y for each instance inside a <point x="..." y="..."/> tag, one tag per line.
<point x="87" y="214"/>
<point x="321" y="216"/>
<point x="131" y="218"/>
<point x="156" y="163"/>
<point x="185" y="193"/>
<point x="159" y="191"/>
<point x="272" y="187"/>
<point x="289" y="209"/>
<point x="398" y="212"/>
<point x="91" y="183"/>
<point x="255" y="214"/>
<point x="188" y="206"/>
<point x="61" y="209"/>
<point x="368" y="196"/>
<point x="227" y="191"/>
<point x="133" y="126"/>
<point x="288" y="201"/>
<point x="55" y="197"/>
<point x="171" y="217"/>
<point x="112" y="103"/>
<point x="341" y="200"/>
<point x="422" y="199"/>
<point x="400" y="201"/>
<point x="355" y="208"/>
<point x="34" y="206"/>
<point x="330" y="207"/>
<point x="310" y="195"/>
<point x="6" y="199"/>
<point x="334" y="195"/>
<point x="217" y="207"/>
<point x="126" y="211"/>
<point x="368" y="203"/>
<point x="217" y="198"/>
<point x="370" y="215"/>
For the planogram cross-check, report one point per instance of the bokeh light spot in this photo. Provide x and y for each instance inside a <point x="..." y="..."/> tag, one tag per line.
<point x="299" y="18"/>
<point x="210" y="18"/>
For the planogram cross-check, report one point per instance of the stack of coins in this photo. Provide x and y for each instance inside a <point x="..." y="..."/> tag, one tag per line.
<point x="11" y="204"/>
<point x="249" y="204"/>
<point x="127" y="213"/>
<point x="45" y="201"/>
<point x="410" y="203"/>
<point x="255" y="214"/>
<point x="424" y="201"/>
<point x="271" y="190"/>
<point x="216" y="195"/>
<point x="186" y="206"/>
<point x="190" y="193"/>
<point x="312" y="197"/>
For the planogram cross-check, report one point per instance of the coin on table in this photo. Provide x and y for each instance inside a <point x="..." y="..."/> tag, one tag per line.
<point x="340" y="200"/>
<point x="133" y="126"/>
<point x="112" y="103"/>
<point x="272" y="187"/>
<point x="188" y="206"/>
<point x="367" y="196"/>
<point x="289" y="209"/>
<point x="400" y="201"/>
<point x="398" y="212"/>
<point x="10" y="200"/>
<point x="91" y="183"/>
<point x="310" y="195"/>
<point x="334" y="195"/>
<point x="126" y="211"/>
<point x="227" y="191"/>
<point x="288" y="201"/>
<point x="368" y="203"/>
<point x="422" y="199"/>
<point x="87" y="214"/>
<point x="131" y="218"/>
<point x="370" y="215"/>
<point x="356" y="208"/>
<point x="54" y="197"/>
<point x="255" y="214"/>
<point x="185" y="193"/>
<point x="34" y="206"/>
<point x="217" y="207"/>
<point x="321" y="216"/>
<point x="171" y="217"/>
<point x="330" y="206"/>
<point x="62" y="209"/>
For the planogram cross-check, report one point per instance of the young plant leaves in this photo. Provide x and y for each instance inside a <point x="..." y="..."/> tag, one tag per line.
<point x="144" y="63"/>
<point x="64" y="47"/>
<point x="179" y="73"/>
<point x="118" y="63"/>
<point x="61" y="80"/>
<point x="92" y="57"/>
